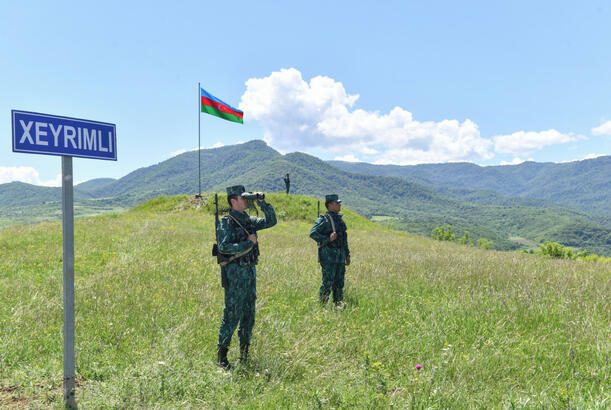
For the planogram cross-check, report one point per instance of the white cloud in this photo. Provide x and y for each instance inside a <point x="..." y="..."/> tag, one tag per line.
<point x="604" y="129"/>
<point x="347" y="158"/>
<point x="28" y="175"/>
<point x="523" y="142"/>
<point x="368" y="150"/>
<point x="217" y="145"/>
<point x="297" y="115"/>
<point x="515" y="161"/>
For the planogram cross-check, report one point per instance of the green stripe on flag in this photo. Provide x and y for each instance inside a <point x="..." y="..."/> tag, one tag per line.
<point x="226" y="116"/>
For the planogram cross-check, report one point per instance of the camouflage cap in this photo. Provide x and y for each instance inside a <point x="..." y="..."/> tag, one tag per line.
<point x="332" y="198"/>
<point x="235" y="190"/>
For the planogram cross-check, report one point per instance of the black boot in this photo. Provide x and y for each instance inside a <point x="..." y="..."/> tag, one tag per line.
<point x="222" y="358"/>
<point x="244" y="353"/>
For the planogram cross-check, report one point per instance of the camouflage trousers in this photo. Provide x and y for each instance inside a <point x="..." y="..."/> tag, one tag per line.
<point x="332" y="280"/>
<point x="240" y="295"/>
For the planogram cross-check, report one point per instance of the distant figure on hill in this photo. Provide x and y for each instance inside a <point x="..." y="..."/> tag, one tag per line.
<point x="237" y="240"/>
<point x="287" y="182"/>
<point x="330" y="232"/>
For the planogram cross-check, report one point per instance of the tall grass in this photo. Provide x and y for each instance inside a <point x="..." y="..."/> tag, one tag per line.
<point x="490" y="329"/>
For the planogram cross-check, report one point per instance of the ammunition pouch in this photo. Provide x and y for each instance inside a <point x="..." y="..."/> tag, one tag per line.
<point x="220" y="257"/>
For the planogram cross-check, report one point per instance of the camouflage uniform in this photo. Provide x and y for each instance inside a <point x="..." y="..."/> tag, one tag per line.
<point x="240" y="275"/>
<point x="331" y="254"/>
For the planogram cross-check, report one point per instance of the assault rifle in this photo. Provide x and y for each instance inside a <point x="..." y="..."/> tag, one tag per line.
<point x="215" y="247"/>
<point x="221" y="259"/>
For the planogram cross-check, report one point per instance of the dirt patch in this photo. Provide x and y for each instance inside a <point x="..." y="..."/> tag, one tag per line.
<point x="15" y="397"/>
<point x="9" y="397"/>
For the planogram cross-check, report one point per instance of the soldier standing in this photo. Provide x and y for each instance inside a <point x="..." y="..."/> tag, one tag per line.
<point x="330" y="232"/>
<point x="287" y="183"/>
<point x="237" y="240"/>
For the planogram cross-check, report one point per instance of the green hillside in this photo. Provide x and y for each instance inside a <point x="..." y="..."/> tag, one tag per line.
<point x="489" y="329"/>
<point x="22" y="203"/>
<point x="412" y="206"/>
<point x="178" y="175"/>
<point x="583" y="185"/>
<point x="21" y="194"/>
<point x="511" y="222"/>
<point x="93" y="184"/>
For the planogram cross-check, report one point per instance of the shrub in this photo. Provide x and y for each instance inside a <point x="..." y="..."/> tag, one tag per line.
<point x="553" y="249"/>
<point x="443" y="233"/>
<point x="465" y="239"/>
<point x="557" y="250"/>
<point x="484" y="243"/>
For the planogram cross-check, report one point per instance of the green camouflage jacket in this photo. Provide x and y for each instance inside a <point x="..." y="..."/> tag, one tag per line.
<point x="330" y="252"/>
<point x="232" y="239"/>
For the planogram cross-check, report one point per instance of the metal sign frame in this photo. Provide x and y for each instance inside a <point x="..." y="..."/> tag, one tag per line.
<point x="46" y="141"/>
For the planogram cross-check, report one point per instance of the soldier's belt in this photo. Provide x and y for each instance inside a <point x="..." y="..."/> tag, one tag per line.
<point x="329" y="244"/>
<point x="236" y="256"/>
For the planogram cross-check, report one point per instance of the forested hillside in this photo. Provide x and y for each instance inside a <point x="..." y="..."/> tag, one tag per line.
<point x="93" y="184"/>
<point x="584" y="185"/>
<point x="414" y="204"/>
<point x="16" y="194"/>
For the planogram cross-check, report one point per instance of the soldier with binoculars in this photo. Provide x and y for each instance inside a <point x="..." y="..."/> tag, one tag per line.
<point x="238" y="252"/>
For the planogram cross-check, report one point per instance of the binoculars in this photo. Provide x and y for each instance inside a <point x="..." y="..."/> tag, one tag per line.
<point x="253" y="195"/>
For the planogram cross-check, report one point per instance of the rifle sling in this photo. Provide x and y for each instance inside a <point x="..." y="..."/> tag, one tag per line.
<point x="332" y="227"/>
<point x="238" y="255"/>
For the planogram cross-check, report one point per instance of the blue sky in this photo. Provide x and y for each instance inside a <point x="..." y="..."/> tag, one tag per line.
<point x="490" y="82"/>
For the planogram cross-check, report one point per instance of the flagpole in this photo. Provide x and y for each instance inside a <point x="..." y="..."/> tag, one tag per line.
<point x="199" y="139"/>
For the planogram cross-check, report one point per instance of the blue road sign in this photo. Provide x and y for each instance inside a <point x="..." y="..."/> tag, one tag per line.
<point x="46" y="134"/>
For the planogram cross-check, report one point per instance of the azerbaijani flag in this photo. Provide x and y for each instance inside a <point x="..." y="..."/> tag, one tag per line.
<point x="212" y="105"/>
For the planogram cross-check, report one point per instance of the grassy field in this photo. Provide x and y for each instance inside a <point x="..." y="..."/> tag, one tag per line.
<point x="52" y="212"/>
<point x="489" y="329"/>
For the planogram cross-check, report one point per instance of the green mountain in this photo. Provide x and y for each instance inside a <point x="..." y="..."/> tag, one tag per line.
<point x="412" y="204"/>
<point x="22" y="203"/>
<point x="583" y="185"/>
<point x="21" y="194"/>
<point x="93" y="184"/>
<point x="260" y="167"/>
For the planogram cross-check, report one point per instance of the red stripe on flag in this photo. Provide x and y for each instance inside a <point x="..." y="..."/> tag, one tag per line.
<point x="221" y="107"/>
